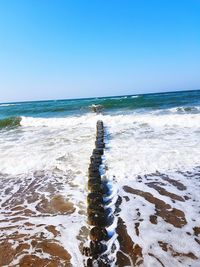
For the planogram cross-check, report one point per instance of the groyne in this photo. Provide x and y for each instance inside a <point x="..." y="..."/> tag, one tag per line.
<point x="100" y="206"/>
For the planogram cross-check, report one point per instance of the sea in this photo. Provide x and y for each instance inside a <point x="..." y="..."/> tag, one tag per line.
<point x="151" y="160"/>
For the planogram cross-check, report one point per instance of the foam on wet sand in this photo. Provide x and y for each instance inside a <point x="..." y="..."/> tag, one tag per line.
<point x="151" y="161"/>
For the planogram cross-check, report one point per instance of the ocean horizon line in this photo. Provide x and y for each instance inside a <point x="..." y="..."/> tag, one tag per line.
<point x="100" y="97"/>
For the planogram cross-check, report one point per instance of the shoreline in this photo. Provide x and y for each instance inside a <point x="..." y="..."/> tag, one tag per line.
<point x="23" y="239"/>
<point x="40" y="217"/>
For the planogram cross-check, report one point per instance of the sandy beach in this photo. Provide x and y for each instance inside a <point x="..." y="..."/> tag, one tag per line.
<point x="33" y="226"/>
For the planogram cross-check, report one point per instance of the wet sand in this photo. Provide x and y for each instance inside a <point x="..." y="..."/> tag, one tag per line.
<point x="33" y="211"/>
<point x="27" y="237"/>
<point x="25" y="241"/>
<point x="163" y="222"/>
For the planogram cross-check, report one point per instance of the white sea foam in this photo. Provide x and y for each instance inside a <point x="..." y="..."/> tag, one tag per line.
<point x="134" y="96"/>
<point x="51" y="145"/>
<point x="7" y="105"/>
<point x="137" y="144"/>
<point x="142" y="144"/>
<point x="47" y="143"/>
<point x="148" y="142"/>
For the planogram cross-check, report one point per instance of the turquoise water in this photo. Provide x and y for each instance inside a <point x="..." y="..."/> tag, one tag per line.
<point x="186" y="101"/>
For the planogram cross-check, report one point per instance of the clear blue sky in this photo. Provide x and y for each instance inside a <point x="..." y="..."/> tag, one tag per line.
<point x="52" y="49"/>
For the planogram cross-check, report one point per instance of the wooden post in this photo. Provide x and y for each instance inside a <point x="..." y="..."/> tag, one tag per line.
<point x="99" y="217"/>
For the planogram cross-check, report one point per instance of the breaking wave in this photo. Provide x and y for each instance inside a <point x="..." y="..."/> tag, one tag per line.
<point x="10" y="122"/>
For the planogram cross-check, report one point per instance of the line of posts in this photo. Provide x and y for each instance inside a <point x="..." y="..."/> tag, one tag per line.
<point x="99" y="215"/>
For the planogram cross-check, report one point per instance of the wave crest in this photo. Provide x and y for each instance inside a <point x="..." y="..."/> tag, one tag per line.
<point x="8" y="105"/>
<point x="10" y="122"/>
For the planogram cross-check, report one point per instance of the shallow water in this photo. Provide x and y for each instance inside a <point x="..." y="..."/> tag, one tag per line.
<point x="152" y="157"/>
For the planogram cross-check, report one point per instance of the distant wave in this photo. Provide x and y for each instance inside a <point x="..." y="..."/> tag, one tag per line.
<point x="10" y="122"/>
<point x="121" y="97"/>
<point x="134" y="96"/>
<point x="118" y="97"/>
<point x="7" y="105"/>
